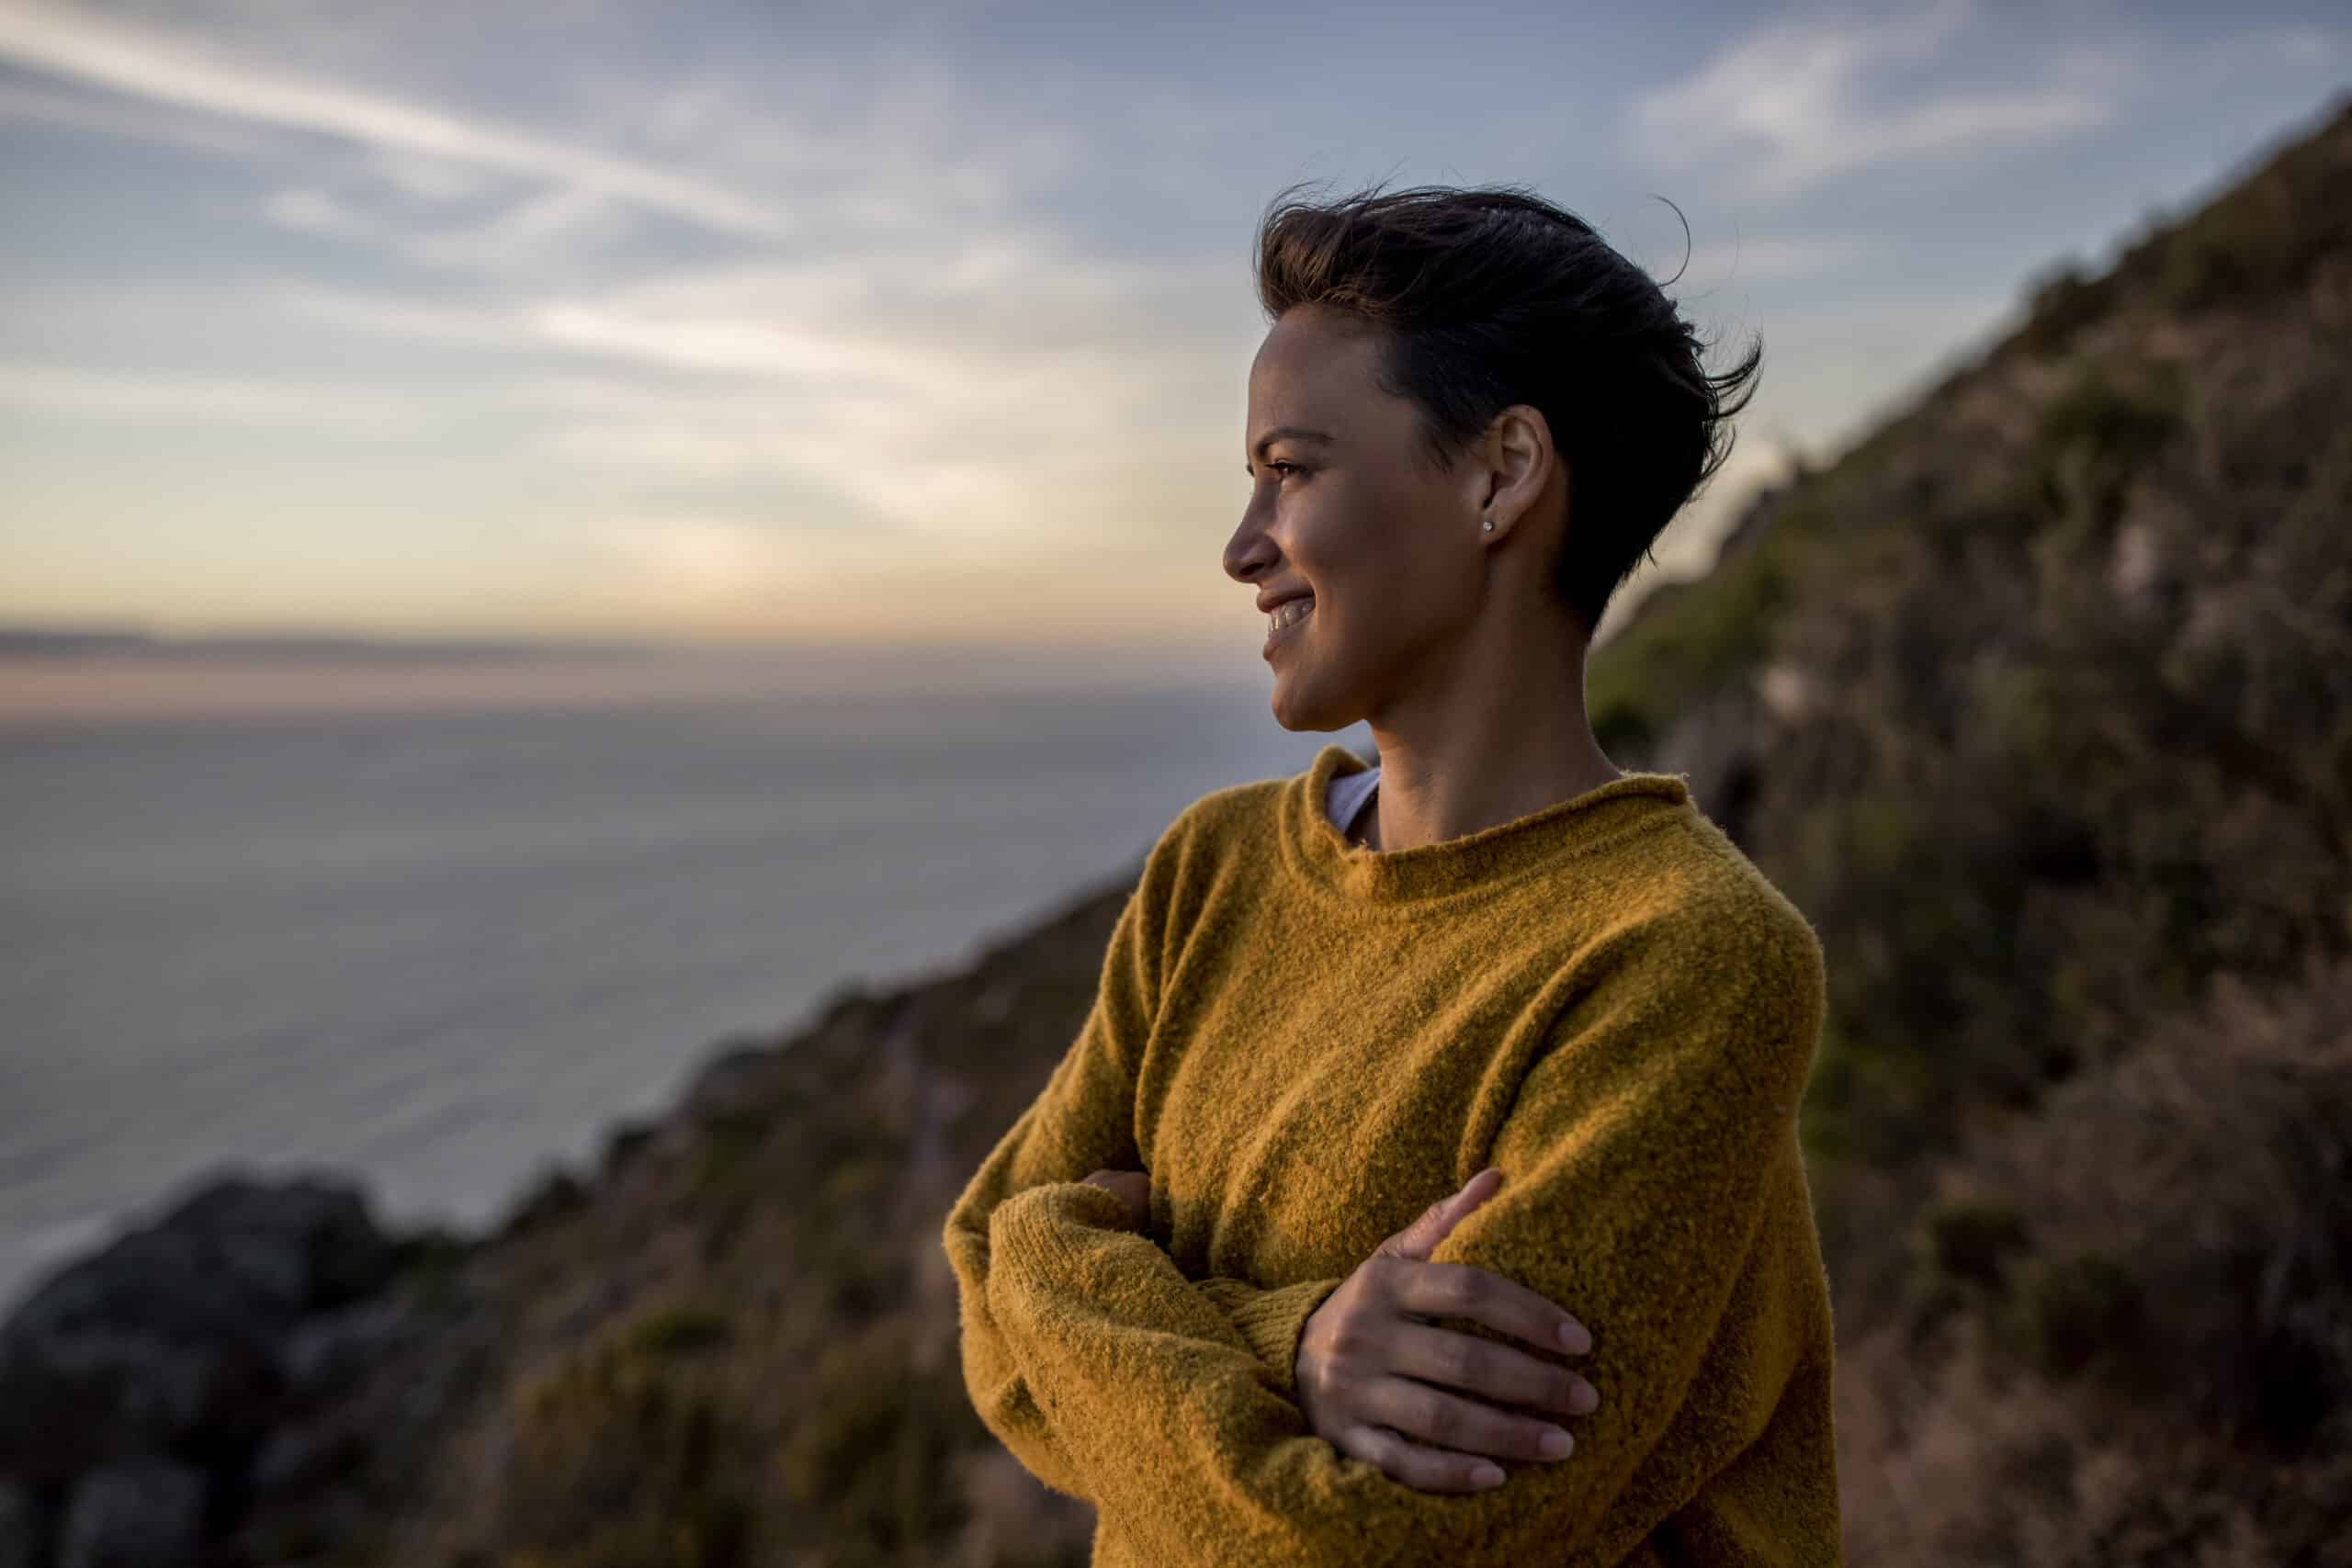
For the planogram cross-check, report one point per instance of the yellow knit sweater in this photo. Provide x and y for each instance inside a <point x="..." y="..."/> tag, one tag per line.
<point x="1306" y="1044"/>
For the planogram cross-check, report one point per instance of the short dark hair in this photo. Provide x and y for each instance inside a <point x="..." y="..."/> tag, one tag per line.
<point x="1492" y="296"/>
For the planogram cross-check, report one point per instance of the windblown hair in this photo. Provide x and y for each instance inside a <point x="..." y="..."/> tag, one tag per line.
<point x="1489" y="297"/>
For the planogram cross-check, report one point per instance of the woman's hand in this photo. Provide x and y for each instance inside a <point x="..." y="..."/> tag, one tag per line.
<point x="1366" y="1359"/>
<point x="1132" y="1187"/>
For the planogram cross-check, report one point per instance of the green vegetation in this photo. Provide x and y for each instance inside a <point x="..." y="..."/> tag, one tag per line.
<point x="1971" y="1242"/>
<point x="877" y="1436"/>
<point x="2066" y="1313"/>
<point x="677" y="1330"/>
<point x="618" y="1462"/>
<point x="1689" y="643"/>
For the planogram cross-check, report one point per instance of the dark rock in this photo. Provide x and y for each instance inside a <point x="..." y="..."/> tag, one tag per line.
<point x="312" y="1239"/>
<point x="321" y="1527"/>
<point x="548" y="1196"/>
<point x="20" y="1531"/>
<point x="142" y="1513"/>
<point x="624" y="1141"/>
<point x="297" y="1460"/>
<point x="170" y="1337"/>
<point x="735" y="1073"/>
<point x="330" y="1352"/>
<point x="76" y="1394"/>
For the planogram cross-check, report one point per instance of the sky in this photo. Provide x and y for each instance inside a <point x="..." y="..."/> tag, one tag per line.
<point x="887" y="324"/>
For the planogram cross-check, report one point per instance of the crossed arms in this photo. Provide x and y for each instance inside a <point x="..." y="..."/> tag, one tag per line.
<point x="1634" y="1160"/>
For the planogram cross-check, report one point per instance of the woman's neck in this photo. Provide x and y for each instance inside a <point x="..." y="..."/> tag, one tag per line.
<point x="1463" y="805"/>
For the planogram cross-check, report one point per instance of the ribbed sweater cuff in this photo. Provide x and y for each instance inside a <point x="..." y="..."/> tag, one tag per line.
<point x="1272" y="1321"/>
<point x="1028" y="1231"/>
<point x="1025" y="1229"/>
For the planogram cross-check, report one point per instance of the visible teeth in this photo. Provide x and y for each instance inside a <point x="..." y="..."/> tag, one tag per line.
<point x="1291" y="610"/>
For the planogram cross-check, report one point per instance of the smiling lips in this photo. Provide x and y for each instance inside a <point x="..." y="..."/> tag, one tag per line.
<point x="1284" y="620"/>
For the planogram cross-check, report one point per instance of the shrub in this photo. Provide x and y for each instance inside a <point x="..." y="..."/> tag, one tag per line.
<point x="876" y="1434"/>
<point x="676" y="1330"/>
<point x="2067" y="1313"/>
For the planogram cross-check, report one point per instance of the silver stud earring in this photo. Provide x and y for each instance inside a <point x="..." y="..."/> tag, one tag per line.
<point x="1490" y="525"/>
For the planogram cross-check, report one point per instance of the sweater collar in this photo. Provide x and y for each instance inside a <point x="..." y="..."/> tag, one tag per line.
<point x="1494" y="857"/>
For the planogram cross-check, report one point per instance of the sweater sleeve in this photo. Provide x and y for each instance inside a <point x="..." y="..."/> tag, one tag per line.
<point x="1635" y="1158"/>
<point x="1082" y="1121"/>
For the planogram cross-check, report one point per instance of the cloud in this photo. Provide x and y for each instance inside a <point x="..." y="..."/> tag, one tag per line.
<point x="449" y="190"/>
<point x="523" y="237"/>
<point x="1803" y="99"/>
<point x="164" y="68"/>
<point x="309" y="210"/>
<point x="998" y="387"/>
<point x="111" y="116"/>
<point x="428" y="179"/>
<point x="171" y="396"/>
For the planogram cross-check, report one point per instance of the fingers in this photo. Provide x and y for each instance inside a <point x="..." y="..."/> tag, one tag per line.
<point x="1439" y="1219"/>
<point x="1440" y="1442"/>
<point x="1489" y="1371"/>
<point x="1440" y="1418"/>
<point x="1131" y="1188"/>
<point x="1460" y="1290"/>
<point x="1421" y="1468"/>
<point x="1475" y="1191"/>
<point x="1392" y="1376"/>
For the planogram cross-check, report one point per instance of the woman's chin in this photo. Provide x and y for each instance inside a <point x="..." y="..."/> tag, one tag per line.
<point x="1296" y="709"/>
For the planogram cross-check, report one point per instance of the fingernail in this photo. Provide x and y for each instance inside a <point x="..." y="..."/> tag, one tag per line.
<point x="1575" y="1339"/>
<point x="1485" y="1476"/>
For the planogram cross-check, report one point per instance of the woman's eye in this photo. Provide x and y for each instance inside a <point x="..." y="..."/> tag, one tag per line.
<point x="1291" y="466"/>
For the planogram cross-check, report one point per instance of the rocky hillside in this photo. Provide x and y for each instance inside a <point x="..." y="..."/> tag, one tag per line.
<point x="2038" y="701"/>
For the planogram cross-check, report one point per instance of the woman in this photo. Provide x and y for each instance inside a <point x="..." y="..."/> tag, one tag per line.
<point x="1432" y="1194"/>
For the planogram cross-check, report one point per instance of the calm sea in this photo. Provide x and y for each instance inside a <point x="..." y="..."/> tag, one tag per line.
<point x="439" y="949"/>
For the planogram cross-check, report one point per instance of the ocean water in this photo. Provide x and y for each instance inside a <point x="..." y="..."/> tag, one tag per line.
<point x="439" y="949"/>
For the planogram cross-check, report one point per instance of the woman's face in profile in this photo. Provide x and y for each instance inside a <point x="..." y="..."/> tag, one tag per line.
<point x="1341" y="509"/>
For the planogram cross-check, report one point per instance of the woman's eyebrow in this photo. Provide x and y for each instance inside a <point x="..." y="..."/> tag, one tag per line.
<point x="1287" y="432"/>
